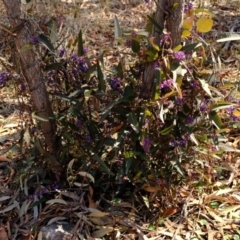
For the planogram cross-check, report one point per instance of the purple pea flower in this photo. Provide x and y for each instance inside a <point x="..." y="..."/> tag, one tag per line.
<point x="166" y="83"/>
<point x="34" y="40"/>
<point x="3" y="78"/>
<point x="179" y="56"/>
<point x="146" y="144"/>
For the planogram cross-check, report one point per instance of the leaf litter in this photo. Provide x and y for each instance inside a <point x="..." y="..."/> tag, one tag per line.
<point x="208" y="206"/>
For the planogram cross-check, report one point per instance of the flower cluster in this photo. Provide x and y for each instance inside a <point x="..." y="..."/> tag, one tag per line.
<point x="41" y="190"/>
<point x="166" y="83"/>
<point x="62" y="52"/>
<point x="179" y="56"/>
<point x="189" y="120"/>
<point x="128" y="43"/>
<point x="177" y="143"/>
<point x="3" y="78"/>
<point x="115" y="83"/>
<point x="81" y="64"/>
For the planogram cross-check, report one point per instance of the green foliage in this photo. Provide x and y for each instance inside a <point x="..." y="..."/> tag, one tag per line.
<point x="111" y="131"/>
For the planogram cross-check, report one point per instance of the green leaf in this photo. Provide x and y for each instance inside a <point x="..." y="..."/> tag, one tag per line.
<point x="129" y="93"/>
<point x="133" y="122"/>
<point x="80" y="44"/>
<point x="46" y="42"/>
<point x="167" y="130"/>
<point x="135" y="46"/>
<point x="191" y="46"/>
<point x="221" y="105"/>
<point x="103" y="164"/>
<point x="213" y="116"/>
<point x="54" y="33"/>
<point x="155" y="24"/>
<point x="26" y="47"/>
<point x="101" y="81"/>
<point x="53" y="66"/>
<point x="117" y="29"/>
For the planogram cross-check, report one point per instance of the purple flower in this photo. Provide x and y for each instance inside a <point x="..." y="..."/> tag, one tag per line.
<point x="156" y="65"/>
<point x="128" y="43"/>
<point x="166" y="83"/>
<point x="3" y="78"/>
<point x="88" y="138"/>
<point x="55" y="186"/>
<point x="34" y="39"/>
<point x="147" y="1"/>
<point x="195" y="84"/>
<point x="134" y="34"/>
<point x="190" y="120"/>
<point x="146" y="144"/>
<point x="78" y="123"/>
<point x="81" y="64"/>
<point x="179" y="56"/>
<point x="62" y="52"/>
<point x="188" y="7"/>
<point x="85" y="50"/>
<point x="177" y="143"/>
<point x="115" y="83"/>
<point x="180" y="101"/>
<point x="203" y="107"/>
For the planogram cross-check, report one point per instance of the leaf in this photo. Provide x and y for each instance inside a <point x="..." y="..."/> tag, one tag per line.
<point x="26" y="47"/>
<point x="103" y="164"/>
<point x="11" y="207"/>
<point x="88" y="175"/>
<point x="46" y="42"/>
<point x="80" y="44"/>
<point x="185" y="33"/>
<point x="117" y="29"/>
<point x="153" y="44"/>
<point x="170" y="211"/>
<point x="221" y="105"/>
<point x="102" y="232"/>
<point x="231" y="38"/>
<point x="99" y="214"/>
<point x="59" y="201"/>
<point x="151" y="189"/>
<point x="135" y="46"/>
<point x="188" y="23"/>
<point x="191" y="46"/>
<point x="167" y="130"/>
<point x="53" y="28"/>
<point x="133" y="122"/>
<point x="34" y="115"/>
<point x="205" y="87"/>
<point x="213" y="116"/>
<point x="204" y="24"/>
<point x="202" y="10"/>
<point x="101" y="81"/>
<point x="155" y="24"/>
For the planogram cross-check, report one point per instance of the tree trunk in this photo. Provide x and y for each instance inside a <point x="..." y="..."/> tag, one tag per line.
<point x="31" y="70"/>
<point x="174" y="21"/>
<point x="166" y="17"/>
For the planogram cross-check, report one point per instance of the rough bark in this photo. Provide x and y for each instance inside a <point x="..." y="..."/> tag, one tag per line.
<point x="171" y="18"/>
<point x="31" y="70"/>
<point x="174" y="22"/>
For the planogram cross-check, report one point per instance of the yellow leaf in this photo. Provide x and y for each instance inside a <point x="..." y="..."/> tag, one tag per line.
<point x="186" y="33"/>
<point x="204" y="24"/>
<point x="188" y="24"/>
<point x="236" y="113"/>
